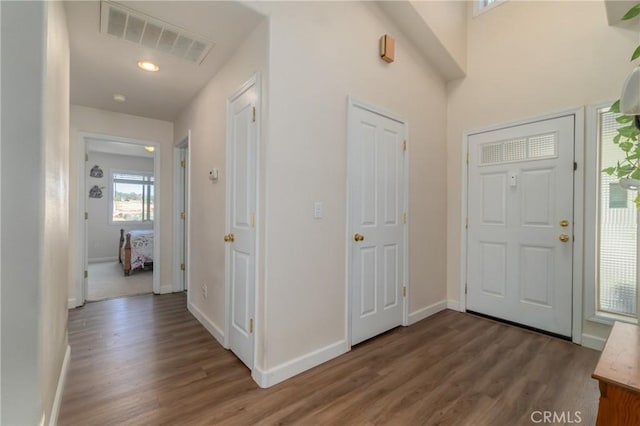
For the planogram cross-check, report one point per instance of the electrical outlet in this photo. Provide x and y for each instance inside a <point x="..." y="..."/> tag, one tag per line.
<point x="204" y="291"/>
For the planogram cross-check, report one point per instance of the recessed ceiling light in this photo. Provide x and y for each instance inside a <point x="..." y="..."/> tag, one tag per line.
<point x="150" y="148"/>
<point x="119" y="98"/>
<point x="148" y="66"/>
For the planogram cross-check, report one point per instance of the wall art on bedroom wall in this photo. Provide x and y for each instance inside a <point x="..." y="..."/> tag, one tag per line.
<point x="95" y="192"/>
<point x="96" y="172"/>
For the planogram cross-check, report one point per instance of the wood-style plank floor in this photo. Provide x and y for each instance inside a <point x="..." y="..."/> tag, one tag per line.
<point x="146" y="360"/>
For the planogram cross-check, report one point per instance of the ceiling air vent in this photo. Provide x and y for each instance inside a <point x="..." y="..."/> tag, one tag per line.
<point x="127" y="24"/>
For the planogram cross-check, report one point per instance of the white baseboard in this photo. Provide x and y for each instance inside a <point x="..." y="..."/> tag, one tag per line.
<point x="62" y="379"/>
<point x="284" y="371"/>
<point x="427" y="311"/>
<point x="593" y="342"/>
<point x="207" y="323"/>
<point x="103" y="259"/>
<point x="71" y="303"/>
<point x="454" y="305"/>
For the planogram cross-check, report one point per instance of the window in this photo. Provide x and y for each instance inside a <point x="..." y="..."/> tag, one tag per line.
<point x="481" y="6"/>
<point x="132" y="197"/>
<point x="616" y="229"/>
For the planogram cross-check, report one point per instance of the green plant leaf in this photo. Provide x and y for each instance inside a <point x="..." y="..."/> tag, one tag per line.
<point x="616" y="138"/>
<point x="637" y="201"/>
<point x="624" y="119"/>
<point x="632" y="13"/>
<point x="629" y="131"/>
<point x="635" y="174"/>
<point x="609" y="170"/>
<point x="636" y="54"/>
<point x="626" y="146"/>
<point x="615" y="107"/>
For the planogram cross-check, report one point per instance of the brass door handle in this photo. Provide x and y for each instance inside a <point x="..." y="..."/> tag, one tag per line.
<point x="358" y="237"/>
<point x="564" y="238"/>
<point x="564" y="223"/>
<point x="229" y="238"/>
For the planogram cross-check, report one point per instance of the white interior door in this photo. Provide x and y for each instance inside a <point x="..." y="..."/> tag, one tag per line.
<point x="520" y="224"/>
<point x="241" y="208"/>
<point x="376" y="173"/>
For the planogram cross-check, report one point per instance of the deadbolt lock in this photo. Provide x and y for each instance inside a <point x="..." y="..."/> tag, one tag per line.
<point x="564" y="238"/>
<point x="358" y="237"/>
<point x="229" y="238"/>
<point x="564" y="223"/>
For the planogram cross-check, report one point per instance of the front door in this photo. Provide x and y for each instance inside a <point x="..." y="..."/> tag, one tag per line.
<point x="241" y="239"/>
<point x="376" y="174"/>
<point x="520" y="224"/>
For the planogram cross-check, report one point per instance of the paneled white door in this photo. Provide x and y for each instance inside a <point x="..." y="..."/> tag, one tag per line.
<point x="520" y="224"/>
<point x="241" y="208"/>
<point x="376" y="175"/>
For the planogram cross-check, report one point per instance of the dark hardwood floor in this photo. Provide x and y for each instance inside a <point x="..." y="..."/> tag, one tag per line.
<point x="146" y="360"/>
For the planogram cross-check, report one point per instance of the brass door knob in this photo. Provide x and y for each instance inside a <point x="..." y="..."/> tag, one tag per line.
<point x="358" y="237"/>
<point x="564" y="238"/>
<point x="564" y="223"/>
<point x="229" y="238"/>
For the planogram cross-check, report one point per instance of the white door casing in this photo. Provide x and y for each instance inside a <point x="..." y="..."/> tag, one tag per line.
<point x="240" y="263"/>
<point x="520" y="191"/>
<point x="376" y="224"/>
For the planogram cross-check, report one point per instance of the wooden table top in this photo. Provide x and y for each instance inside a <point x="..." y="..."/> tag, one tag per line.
<point x="620" y="360"/>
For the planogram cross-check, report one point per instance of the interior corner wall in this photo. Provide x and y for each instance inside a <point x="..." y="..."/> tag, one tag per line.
<point x="96" y="121"/>
<point x="321" y="52"/>
<point x="527" y="59"/>
<point x="206" y="117"/>
<point x="35" y="143"/>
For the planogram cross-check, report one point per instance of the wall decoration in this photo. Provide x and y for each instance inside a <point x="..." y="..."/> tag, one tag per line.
<point x="96" y="172"/>
<point x="95" y="192"/>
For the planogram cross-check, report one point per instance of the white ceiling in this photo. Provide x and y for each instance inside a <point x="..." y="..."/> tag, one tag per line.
<point x="119" y="148"/>
<point x="102" y="65"/>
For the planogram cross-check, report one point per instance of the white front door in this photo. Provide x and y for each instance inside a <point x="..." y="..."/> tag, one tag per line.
<point x="376" y="176"/>
<point x="241" y="237"/>
<point x="520" y="224"/>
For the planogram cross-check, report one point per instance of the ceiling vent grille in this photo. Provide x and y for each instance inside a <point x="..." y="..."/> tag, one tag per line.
<point x="127" y="24"/>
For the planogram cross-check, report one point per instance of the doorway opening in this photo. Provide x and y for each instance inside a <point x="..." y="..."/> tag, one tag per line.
<point x="120" y="190"/>
<point x="181" y="213"/>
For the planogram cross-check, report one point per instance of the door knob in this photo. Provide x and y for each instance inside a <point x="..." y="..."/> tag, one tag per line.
<point x="358" y="237"/>
<point x="564" y="238"/>
<point x="564" y="223"/>
<point x="229" y="238"/>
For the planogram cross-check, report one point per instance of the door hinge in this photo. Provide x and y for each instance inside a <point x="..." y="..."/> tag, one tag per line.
<point x="253" y="220"/>
<point x="467" y="158"/>
<point x="404" y="145"/>
<point x="182" y="267"/>
<point x="183" y="215"/>
<point x="86" y="215"/>
<point x="86" y="157"/>
<point x="465" y="288"/>
<point x="251" y="325"/>
<point x="86" y="274"/>
<point x="404" y="218"/>
<point x="404" y="291"/>
<point x="182" y="164"/>
<point x="575" y="166"/>
<point x="254" y="115"/>
<point x="466" y="223"/>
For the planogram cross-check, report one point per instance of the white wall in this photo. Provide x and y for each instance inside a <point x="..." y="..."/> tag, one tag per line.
<point x="55" y="192"/>
<point x="35" y="106"/>
<point x="206" y="117"/>
<point x="320" y="52"/>
<point x="527" y="59"/>
<point x="96" y="121"/>
<point x="104" y="236"/>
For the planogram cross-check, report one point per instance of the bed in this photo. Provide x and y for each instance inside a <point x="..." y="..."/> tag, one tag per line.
<point x="135" y="250"/>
